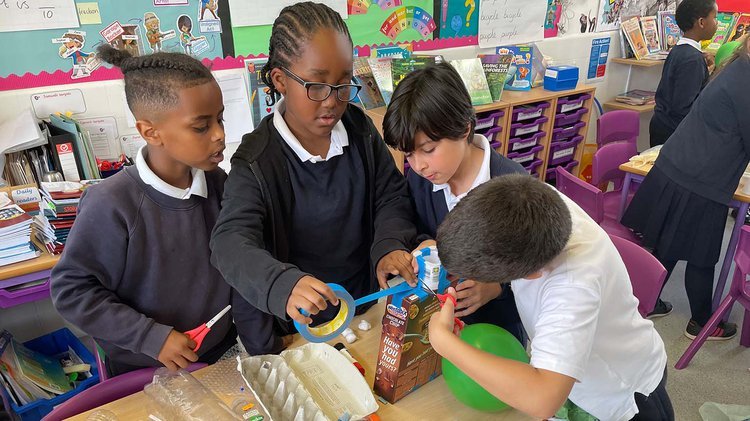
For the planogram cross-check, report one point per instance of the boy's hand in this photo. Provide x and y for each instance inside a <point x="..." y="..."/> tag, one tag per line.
<point x="309" y="294"/>
<point x="442" y="325"/>
<point x="397" y="262"/>
<point x="177" y="351"/>
<point x="423" y="244"/>
<point x="472" y="294"/>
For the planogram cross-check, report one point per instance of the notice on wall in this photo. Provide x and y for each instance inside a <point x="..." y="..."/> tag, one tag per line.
<point x="507" y="22"/>
<point x="31" y="15"/>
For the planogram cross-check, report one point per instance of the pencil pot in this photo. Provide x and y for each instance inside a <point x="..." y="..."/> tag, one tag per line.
<point x="53" y="344"/>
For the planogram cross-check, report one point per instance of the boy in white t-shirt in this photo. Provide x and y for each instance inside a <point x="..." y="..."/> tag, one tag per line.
<point x="589" y="344"/>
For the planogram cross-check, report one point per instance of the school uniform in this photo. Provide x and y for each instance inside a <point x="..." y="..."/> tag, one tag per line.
<point x="432" y="202"/>
<point x="287" y="214"/>
<point x="137" y="265"/>
<point x="681" y="206"/>
<point x="583" y="322"/>
<point x="684" y="75"/>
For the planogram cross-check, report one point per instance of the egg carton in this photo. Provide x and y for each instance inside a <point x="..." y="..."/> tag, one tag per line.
<point x="313" y="382"/>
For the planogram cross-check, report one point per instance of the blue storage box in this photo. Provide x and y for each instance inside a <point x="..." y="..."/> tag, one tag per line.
<point x="53" y="344"/>
<point x="560" y="78"/>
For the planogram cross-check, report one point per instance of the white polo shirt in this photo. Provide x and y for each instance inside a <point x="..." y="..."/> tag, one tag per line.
<point x="483" y="176"/>
<point x="691" y="42"/>
<point x="339" y="137"/>
<point x="198" y="186"/>
<point x="583" y="322"/>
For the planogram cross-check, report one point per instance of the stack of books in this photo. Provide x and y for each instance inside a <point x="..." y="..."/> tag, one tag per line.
<point x="637" y="97"/>
<point x="15" y="236"/>
<point x="60" y="205"/>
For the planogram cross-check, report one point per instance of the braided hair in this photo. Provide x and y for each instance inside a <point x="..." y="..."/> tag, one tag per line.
<point x="295" y="24"/>
<point x="152" y="81"/>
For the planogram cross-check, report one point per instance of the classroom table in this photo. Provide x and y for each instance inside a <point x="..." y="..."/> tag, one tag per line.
<point x="432" y="401"/>
<point x="635" y="173"/>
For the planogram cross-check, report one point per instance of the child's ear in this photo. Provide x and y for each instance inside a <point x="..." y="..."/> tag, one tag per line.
<point x="279" y="80"/>
<point x="148" y="132"/>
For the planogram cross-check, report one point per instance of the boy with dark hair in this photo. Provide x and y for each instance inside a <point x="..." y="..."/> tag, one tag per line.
<point x="589" y="344"/>
<point x="430" y="118"/>
<point x="685" y="74"/>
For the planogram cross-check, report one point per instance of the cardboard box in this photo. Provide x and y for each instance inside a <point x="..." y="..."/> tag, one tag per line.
<point x="406" y="359"/>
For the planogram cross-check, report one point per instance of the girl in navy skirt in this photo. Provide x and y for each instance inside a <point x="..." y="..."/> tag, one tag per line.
<point x="681" y="207"/>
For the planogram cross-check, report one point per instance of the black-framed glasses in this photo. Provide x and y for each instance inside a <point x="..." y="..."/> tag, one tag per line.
<point x="317" y="91"/>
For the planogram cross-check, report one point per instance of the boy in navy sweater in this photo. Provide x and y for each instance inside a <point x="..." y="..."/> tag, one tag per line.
<point x="136" y="270"/>
<point x="685" y="70"/>
<point x="431" y="119"/>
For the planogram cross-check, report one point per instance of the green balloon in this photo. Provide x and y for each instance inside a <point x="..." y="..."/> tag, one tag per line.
<point x="488" y="338"/>
<point x="725" y="51"/>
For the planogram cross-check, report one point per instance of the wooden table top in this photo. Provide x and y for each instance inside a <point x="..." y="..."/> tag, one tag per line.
<point x="643" y="170"/>
<point x="43" y="262"/>
<point x="430" y="402"/>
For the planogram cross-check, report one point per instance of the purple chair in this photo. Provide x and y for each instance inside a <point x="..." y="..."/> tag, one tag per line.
<point x="647" y="275"/>
<point x="606" y="169"/>
<point x="591" y="200"/>
<point x="739" y="291"/>
<point x="618" y="126"/>
<point x="106" y="392"/>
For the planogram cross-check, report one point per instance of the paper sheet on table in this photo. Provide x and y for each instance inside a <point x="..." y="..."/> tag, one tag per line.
<point x="238" y="117"/>
<point x="103" y="134"/>
<point x="20" y="132"/>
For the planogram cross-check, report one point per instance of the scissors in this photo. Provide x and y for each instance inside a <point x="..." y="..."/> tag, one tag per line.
<point x="200" y="332"/>
<point x="442" y="298"/>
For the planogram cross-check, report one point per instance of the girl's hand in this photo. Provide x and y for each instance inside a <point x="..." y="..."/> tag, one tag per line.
<point x="309" y="294"/>
<point x="472" y="295"/>
<point x="442" y="326"/>
<point x="397" y="262"/>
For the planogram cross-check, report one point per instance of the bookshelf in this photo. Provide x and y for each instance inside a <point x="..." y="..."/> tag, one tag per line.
<point x="638" y="63"/>
<point x="614" y="105"/>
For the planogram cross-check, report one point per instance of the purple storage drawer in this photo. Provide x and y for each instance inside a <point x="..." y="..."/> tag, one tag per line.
<point x="570" y="118"/>
<point x="12" y="293"/>
<point x="565" y="133"/>
<point x="551" y="174"/>
<point x="525" y="158"/>
<point x="571" y="103"/>
<point x="532" y="167"/>
<point x="520" y="129"/>
<point x="521" y="143"/>
<point x="496" y="145"/>
<point x="529" y="112"/>
<point x="492" y="134"/>
<point x="487" y="121"/>
<point x="561" y="152"/>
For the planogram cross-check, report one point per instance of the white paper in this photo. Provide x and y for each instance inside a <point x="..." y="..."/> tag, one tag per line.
<point x="47" y="103"/>
<point x="238" y="117"/>
<point x="128" y="114"/>
<point x="264" y="12"/>
<point x="20" y="132"/>
<point x="30" y="15"/>
<point x="506" y="22"/>
<point x="131" y="143"/>
<point x="103" y="134"/>
<point x="578" y="17"/>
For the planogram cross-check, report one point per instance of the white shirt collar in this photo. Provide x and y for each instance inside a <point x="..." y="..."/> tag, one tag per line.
<point x="691" y="42"/>
<point x="339" y="137"/>
<point x="483" y="176"/>
<point x="198" y="187"/>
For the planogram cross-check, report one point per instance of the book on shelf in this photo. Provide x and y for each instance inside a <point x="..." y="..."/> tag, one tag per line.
<point x="401" y="67"/>
<point x="637" y="97"/>
<point x="521" y="72"/>
<point x="741" y="27"/>
<point x="381" y="71"/>
<point x="669" y="31"/>
<point x="496" y="68"/>
<point x="651" y="34"/>
<point x="472" y="74"/>
<point x="369" y="95"/>
<point x="723" y="31"/>
<point x="632" y="30"/>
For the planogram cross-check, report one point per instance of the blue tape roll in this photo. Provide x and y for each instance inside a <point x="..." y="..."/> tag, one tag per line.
<point x="333" y="328"/>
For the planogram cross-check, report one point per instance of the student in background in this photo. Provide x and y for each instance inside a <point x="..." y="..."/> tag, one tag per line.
<point x="314" y="195"/>
<point x="136" y="269"/>
<point x="681" y="206"/>
<point x="589" y="343"/>
<point x="685" y="70"/>
<point x="430" y="118"/>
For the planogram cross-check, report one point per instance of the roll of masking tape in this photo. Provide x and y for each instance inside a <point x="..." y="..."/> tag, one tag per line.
<point x="331" y="329"/>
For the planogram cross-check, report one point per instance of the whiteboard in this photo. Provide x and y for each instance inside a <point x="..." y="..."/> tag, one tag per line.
<point x="264" y="12"/>
<point x="32" y="15"/>
<point x="506" y="22"/>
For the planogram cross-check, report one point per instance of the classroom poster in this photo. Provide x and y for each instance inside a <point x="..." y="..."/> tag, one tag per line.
<point x="511" y="22"/>
<point x="610" y="12"/>
<point x="647" y="7"/>
<point x="576" y="17"/>
<point x="374" y="23"/>
<point x="42" y="48"/>
<point x="458" y="18"/>
<point x="598" y="59"/>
